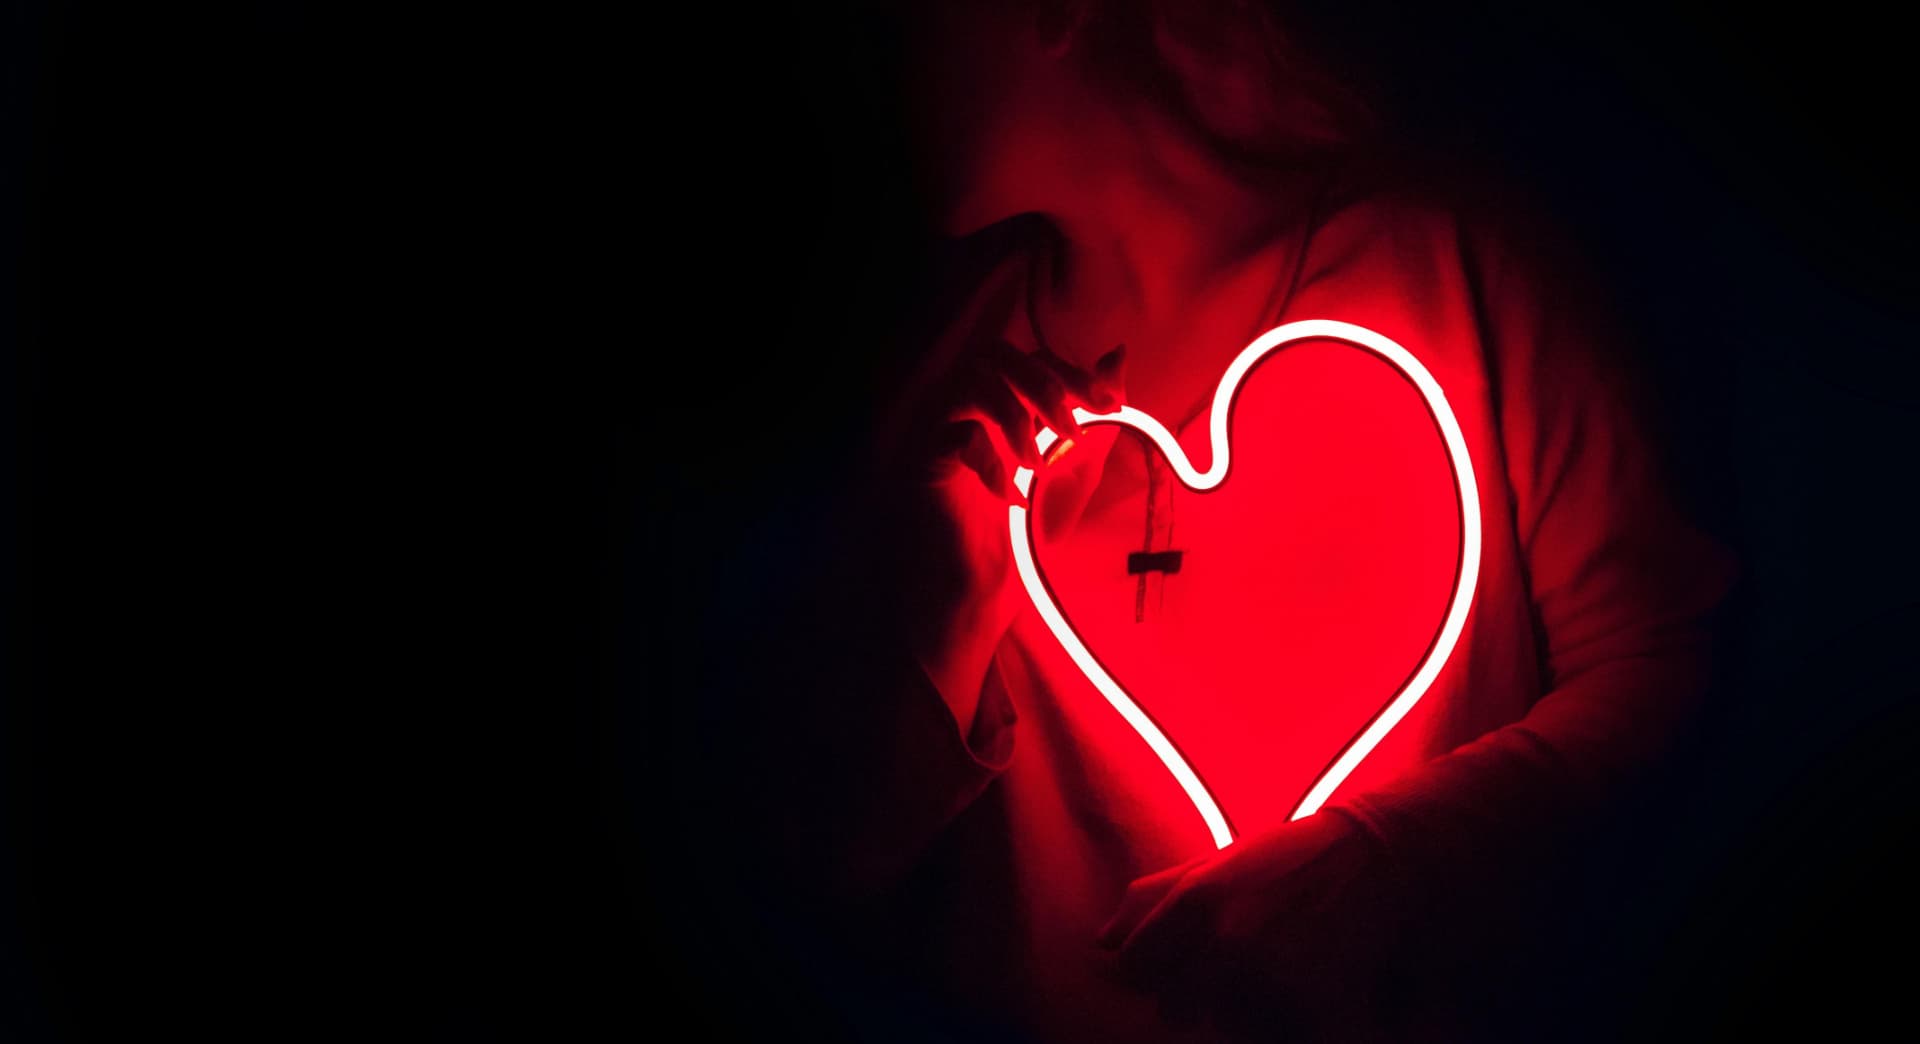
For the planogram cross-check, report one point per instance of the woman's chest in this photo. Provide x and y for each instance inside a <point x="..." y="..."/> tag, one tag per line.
<point x="1265" y="621"/>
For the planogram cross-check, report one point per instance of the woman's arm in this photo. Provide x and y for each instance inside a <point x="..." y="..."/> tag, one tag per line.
<point x="1622" y="585"/>
<point x="887" y="714"/>
<point x="861" y="761"/>
<point x="1328" y="920"/>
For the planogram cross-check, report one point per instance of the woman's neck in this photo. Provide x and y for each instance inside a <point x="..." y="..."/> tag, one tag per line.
<point x="1181" y="323"/>
<point x="1180" y="265"/>
<point x="1159" y="233"/>
<point x="1149" y="219"/>
<point x="1165" y="243"/>
<point x="1144" y="268"/>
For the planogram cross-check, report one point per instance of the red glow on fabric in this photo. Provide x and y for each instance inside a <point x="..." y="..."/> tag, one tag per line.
<point x="1315" y="590"/>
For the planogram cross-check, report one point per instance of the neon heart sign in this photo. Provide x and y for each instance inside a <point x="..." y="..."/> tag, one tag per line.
<point x="1020" y="532"/>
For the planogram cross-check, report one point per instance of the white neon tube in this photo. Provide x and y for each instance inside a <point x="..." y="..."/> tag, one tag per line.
<point x="1396" y="709"/>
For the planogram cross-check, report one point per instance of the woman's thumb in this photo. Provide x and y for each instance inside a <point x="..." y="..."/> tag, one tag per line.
<point x="1110" y="375"/>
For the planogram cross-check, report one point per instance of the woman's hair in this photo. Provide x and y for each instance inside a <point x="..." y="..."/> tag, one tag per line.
<point x="1243" y="71"/>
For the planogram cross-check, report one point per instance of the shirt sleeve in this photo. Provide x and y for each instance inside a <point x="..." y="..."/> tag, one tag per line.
<point x="1622" y="588"/>
<point x="890" y="765"/>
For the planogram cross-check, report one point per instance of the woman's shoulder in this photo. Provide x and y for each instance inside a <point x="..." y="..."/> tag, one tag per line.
<point x="1451" y="221"/>
<point x="1462" y="202"/>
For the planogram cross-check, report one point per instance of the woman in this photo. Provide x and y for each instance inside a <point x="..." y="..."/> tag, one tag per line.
<point x="1135" y="190"/>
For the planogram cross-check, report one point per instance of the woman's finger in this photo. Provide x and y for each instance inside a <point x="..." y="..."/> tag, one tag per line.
<point x="970" y="446"/>
<point x="989" y="392"/>
<point x="1110" y="377"/>
<point x="1141" y="897"/>
<point x="1100" y="388"/>
<point x="1174" y="930"/>
<point x="1036" y="383"/>
<point x="1082" y="384"/>
<point x="999" y="435"/>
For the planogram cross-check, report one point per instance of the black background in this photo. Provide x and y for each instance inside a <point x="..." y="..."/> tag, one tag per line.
<point x="390" y="396"/>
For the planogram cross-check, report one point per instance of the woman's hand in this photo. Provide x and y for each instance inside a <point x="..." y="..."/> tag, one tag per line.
<point x="955" y="566"/>
<point x="1294" y="933"/>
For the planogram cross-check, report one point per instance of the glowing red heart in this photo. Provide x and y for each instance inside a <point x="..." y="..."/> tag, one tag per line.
<point x="1395" y="706"/>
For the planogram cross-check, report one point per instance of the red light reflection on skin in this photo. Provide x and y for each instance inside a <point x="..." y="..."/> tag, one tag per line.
<point x="1021" y="535"/>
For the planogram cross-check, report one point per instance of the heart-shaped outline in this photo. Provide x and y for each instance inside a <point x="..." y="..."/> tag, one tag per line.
<point x="1466" y="576"/>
